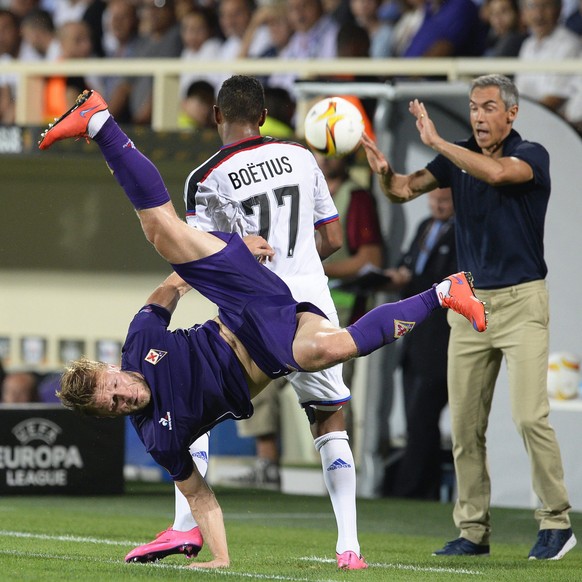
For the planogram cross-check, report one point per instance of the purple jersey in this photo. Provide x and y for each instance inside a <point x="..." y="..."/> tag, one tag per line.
<point x="195" y="378"/>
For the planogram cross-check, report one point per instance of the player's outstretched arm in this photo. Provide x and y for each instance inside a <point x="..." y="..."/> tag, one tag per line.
<point x="168" y="293"/>
<point x="208" y="515"/>
<point x="398" y="188"/>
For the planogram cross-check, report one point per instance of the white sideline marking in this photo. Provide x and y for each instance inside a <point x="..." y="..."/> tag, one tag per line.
<point x="402" y="566"/>
<point x="83" y="540"/>
<point x="274" y="516"/>
<point x="65" y="538"/>
<point x="104" y="541"/>
<point x="216" y="572"/>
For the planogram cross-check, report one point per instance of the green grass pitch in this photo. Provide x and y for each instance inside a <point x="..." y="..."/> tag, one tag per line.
<point x="271" y="536"/>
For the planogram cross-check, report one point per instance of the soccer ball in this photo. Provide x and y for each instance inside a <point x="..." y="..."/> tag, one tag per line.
<point x="563" y="376"/>
<point x="333" y="127"/>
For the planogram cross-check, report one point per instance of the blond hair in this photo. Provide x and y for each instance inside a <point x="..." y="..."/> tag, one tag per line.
<point x="78" y="385"/>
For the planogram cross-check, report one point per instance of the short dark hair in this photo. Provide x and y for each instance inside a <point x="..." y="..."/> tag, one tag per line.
<point x="39" y="19"/>
<point x="241" y="99"/>
<point x="280" y="104"/>
<point x="15" y="20"/>
<point x="203" y="90"/>
<point x="353" y="41"/>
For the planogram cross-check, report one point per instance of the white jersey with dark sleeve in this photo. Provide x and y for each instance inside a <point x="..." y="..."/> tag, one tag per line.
<point x="271" y="188"/>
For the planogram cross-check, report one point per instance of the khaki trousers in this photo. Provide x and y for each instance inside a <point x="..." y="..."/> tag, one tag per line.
<point x="518" y="330"/>
<point x="266" y="417"/>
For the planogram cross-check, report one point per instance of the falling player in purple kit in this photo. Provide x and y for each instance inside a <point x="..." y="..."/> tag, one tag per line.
<point x="178" y="384"/>
<point x="257" y="185"/>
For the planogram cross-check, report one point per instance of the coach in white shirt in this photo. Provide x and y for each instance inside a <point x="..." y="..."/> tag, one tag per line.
<point x="548" y="40"/>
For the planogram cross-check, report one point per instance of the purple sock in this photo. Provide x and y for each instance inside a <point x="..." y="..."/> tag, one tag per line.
<point x="138" y="177"/>
<point x="391" y="321"/>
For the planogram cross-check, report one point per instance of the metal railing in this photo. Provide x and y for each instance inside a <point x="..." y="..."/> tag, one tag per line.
<point x="166" y="74"/>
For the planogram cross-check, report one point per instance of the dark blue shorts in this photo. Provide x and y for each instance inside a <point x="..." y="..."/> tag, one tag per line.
<point x="253" y="302"/>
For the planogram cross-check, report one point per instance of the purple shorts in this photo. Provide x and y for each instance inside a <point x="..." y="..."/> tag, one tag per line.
<point x="252" y="301"/>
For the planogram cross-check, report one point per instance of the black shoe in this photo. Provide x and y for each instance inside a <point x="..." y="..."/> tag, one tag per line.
<point x="552" y="544"/>
<point x="463" y="547"/>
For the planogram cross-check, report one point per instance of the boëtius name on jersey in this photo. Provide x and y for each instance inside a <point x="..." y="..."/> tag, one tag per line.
<point x="255" y="173"/>
<point x="46" y="464"/>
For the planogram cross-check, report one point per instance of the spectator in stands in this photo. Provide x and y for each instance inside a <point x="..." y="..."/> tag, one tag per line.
<point x="548" y="40"/>
<point x="39" y="37"/>
<point x="60" y="92"/>
<point x="506" y="31"/>
<point x="574" y="20"/>
<point x="314" y="36"/>
<point x="21" y="8"/>
<point x="201" y="43"/>
<point x="271" y="18"/>
<point x="380" y="32"/>
<point x="280" y="113"/>
<point x="450" y="28"/>
<point x="424" y="356"/>
<point x="568" y="8"/>
<point x="120" y="29"/>
<point x="407" y="25"/>
<point x="89" y="11"/>
<point x="234" y="16"/>
<point x="183" y="7"/>
<point x="19" y="387"/>
<point x="161" y="40"/>
<point x="9" y="35"/>
<point x="69" y="11"/>
<point x="338" y="10"/>
<point x="9" y="47"/>
<point x="197" y="107"/>
<point x="120" y="41"/>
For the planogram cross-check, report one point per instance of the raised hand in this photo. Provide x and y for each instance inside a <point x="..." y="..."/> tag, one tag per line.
<point x="425" y="126"/>
<point x="260" y="248"/>
<point x="376" y="159"/>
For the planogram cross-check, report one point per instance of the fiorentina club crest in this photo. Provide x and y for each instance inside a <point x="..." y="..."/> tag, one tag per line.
<point x="401" y="328"/>
<point x="166" y="421"/>
<point x="154" y="356"/>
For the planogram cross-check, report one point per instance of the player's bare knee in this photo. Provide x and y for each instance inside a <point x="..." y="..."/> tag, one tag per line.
<point x="325" y="350"/>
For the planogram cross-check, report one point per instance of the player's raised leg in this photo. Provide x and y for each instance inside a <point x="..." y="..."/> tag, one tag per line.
<point x="318" y="344"/>
<point x="139" y="178"/>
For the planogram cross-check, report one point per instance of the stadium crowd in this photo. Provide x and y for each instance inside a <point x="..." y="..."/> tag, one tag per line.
<point x="36" y="30"/>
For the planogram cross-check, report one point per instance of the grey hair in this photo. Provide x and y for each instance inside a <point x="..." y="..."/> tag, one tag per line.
<point x="507" y="89"/>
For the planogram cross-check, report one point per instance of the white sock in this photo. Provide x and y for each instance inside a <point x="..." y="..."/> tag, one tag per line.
<point x="183" y="520"/>
<point x="442" y="289"/>
<point x="339" y="474"/>
<point x="97" y="122"/>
